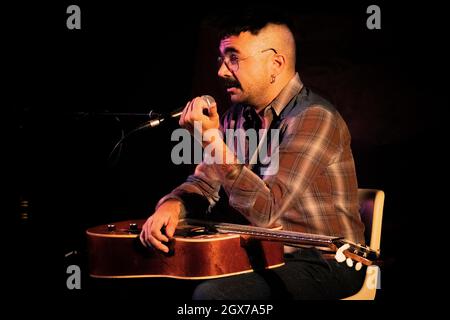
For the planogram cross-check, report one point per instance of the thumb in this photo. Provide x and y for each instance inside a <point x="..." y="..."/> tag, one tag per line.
<point x="170" y="228"/>
<point x="213" y="111"/>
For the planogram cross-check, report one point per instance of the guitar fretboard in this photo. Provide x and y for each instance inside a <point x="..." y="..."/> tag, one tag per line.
<point x="263" y="233"/>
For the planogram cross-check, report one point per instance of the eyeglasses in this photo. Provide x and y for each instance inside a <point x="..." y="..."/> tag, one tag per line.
<point x="232" y="60"/>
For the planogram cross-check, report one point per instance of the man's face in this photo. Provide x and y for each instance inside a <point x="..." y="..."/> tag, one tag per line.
<point x="246" y="69"/>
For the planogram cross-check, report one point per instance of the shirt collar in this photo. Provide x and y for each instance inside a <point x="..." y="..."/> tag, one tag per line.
<point x="292" y="89"/>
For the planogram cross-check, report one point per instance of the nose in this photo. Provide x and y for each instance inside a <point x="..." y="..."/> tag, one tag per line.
<point x="223" y="71"/>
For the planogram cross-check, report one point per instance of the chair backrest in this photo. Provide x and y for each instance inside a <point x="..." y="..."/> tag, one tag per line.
<point x="371" y="202"/>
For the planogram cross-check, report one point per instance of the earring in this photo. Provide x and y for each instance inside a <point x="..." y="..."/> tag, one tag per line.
<point x="272" y="78"/>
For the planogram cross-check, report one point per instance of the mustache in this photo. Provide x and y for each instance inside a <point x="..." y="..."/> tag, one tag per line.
<point x="229" y="83"/>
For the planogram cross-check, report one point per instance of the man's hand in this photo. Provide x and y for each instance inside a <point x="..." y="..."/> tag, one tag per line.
<point x="194" y="112"/>
<point x="167" y="215"/>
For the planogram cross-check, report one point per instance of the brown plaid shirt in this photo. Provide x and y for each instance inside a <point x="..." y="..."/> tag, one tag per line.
<point x="315" y="188"/>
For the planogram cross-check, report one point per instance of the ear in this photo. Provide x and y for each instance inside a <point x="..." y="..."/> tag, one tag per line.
<point x="278" y="63"/>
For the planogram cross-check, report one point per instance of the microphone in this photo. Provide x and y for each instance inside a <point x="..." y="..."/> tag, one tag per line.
<point x="156" y="122"/>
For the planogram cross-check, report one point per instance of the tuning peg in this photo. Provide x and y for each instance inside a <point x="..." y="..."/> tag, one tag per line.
<point x="358" y="266"/>
<point x="349" y="262"/>
<point x="339" y="256"/>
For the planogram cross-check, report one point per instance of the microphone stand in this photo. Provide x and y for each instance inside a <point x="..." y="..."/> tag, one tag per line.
<point x="155" y="120"/>
<point x="150" y="115"/>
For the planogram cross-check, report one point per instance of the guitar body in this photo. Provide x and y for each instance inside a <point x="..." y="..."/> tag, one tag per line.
<point x="115" y="251"/>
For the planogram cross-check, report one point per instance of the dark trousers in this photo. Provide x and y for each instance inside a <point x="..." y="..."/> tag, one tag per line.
<point x="307" y="275"/>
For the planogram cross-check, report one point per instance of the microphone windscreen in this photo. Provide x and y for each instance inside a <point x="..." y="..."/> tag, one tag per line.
<point x="209" y="100"/>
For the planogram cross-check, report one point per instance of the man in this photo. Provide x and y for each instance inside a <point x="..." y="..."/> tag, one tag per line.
<point x="314" y="188"/>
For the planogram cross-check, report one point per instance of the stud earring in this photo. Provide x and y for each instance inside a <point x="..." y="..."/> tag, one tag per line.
<point x="272" y="79"/>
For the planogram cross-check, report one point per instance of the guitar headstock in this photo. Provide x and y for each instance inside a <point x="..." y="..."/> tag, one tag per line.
<point x="348" y="251"/>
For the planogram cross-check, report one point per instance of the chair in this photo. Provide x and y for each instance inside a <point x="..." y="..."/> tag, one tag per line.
<point x="371" y="203"/>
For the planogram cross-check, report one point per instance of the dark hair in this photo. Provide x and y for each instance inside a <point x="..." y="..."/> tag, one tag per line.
<point x="250" y="18"/>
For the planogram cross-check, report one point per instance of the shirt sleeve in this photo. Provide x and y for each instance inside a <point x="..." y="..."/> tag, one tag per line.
<point x="198" y="193"/>
<point x="309" y="144"/>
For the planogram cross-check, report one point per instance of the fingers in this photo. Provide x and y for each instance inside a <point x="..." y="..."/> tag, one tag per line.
<point x="152" y="236"/>
<point x="144" y="235"/>
<point x="171" y="227"/>
<point x="156" y="233"/>
<point x="213" y="111"/>
<point x="197" y="109"/>
<point x="193" y="111"/>
<point x="144" y="241"/>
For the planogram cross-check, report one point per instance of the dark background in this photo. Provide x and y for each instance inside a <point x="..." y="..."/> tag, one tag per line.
<point x="131" y="57"/>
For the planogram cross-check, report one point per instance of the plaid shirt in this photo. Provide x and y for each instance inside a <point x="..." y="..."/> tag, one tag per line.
<point x="315" y="187"/>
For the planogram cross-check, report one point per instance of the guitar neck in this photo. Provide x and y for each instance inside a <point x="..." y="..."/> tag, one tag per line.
<point x="268" y="234"/>
<point x="356" y="251"/>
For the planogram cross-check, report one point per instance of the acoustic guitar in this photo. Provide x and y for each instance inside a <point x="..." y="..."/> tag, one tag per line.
<point x="203" y="250"/>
